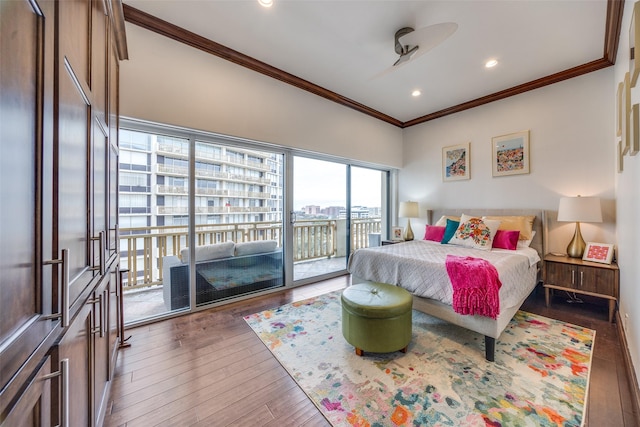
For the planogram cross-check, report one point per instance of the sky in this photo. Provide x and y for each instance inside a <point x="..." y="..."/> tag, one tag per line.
<point x="322" y="183"/>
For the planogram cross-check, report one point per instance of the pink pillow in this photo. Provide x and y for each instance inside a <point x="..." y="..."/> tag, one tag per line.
<point x="506" y="239"/>
<point x="434" y="232"/>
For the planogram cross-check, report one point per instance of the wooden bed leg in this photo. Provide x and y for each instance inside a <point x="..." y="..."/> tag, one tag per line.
<point x="404" y="350"/>
<point x="489" y="348"/>
<point x="359" y="351"/>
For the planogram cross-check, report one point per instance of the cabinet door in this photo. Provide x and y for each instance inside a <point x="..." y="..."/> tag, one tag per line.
<point x="99" y="136"/>
<point x="75" y="131"/>
<point x="114" y="153"/>
<point x="76" y="347"/>
<point x="72" y="184"/>
<point x="560" y="274"/>
<point x="598" y="280"/>
<point x="102" y="345"/>
<point x="99" y="194"/>
<point x="114" y="317"/>
<point x="33" y="408"/>
<point x="26" y="101"/>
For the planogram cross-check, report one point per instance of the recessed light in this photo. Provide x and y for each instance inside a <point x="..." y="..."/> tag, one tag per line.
<point x="416" y="93"/>
<point x="491" y="63"/>
<point x="266" y="3"/>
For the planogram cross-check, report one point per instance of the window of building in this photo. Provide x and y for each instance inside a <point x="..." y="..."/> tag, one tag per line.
<point x="207" y="184"/>
<point x="208" y="151"/>
<point x="132" y="179"/>
<point x="234" y="156"/>
<point x="134" y="140"/>
<point x="134" y="221"/>
<point x="175" y="181"/>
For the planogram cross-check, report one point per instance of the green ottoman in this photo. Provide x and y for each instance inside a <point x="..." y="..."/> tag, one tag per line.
<point x="376" y="317"/>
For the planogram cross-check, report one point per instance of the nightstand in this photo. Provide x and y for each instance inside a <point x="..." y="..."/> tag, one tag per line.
<point x="582" y="277"/>
<point x="391" y="242"/>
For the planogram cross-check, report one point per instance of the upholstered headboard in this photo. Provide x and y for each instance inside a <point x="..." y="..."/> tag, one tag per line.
<point x="538" y="225"/>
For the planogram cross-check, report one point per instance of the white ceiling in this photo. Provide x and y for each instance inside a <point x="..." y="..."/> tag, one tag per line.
<point x="342" y="45"/>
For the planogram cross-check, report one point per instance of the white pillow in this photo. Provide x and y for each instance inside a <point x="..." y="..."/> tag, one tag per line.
<point x="257" y="247"/>
<point x="209" y="252"/>
<point x="475" y="232"/>
<point x="526" y="243"/>
<point x="442" y="222"/>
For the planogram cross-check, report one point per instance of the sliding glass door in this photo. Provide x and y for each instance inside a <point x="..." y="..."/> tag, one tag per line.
<point x="368" y="198"/>
<point x="337" y="208"/>
<point x="238" y="221"/>
<point x="319" y="218"/>
<point x="201" y="220"/>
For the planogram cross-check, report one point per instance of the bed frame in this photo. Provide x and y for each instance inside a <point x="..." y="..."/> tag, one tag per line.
<point x="490" y="328"/>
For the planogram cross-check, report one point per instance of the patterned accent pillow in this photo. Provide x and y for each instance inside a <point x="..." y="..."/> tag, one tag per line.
<point x="475" y="232"/>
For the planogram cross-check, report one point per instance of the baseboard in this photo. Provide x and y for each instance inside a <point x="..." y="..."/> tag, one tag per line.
<point x="631" y="373"/>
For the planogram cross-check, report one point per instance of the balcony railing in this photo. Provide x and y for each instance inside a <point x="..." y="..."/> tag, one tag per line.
<point x="183" y="191"/>
<point x="143" y="248"/>
<point x="183" y="171"/>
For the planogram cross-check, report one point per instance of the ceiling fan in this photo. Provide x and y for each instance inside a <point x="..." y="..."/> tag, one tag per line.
<point x="410" y="44"/>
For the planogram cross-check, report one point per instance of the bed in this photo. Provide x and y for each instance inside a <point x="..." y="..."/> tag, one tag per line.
<point x="418" y="266"/>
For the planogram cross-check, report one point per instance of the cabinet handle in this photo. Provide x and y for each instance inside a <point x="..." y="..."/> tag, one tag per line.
<point x="573" y="277"/>
<point x="63" y="315"/>
<point x="100" y="267"/>
<point x="581" y="278"/>
<point x="99" y="329"/>
<point x="63" y="373"/>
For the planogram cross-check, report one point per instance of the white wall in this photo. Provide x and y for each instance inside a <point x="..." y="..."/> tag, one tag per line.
<point x="570" y="132"/>
<point x="168" y="82"/>
<point x="627" y="186"/>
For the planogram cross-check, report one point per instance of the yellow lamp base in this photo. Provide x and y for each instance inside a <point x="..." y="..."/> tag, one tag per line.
<point x="408" y="232"/>
<point x="576" y="246"/>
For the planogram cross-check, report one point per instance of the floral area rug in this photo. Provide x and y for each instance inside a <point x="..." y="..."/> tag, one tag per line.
<point x="540" y="376"/>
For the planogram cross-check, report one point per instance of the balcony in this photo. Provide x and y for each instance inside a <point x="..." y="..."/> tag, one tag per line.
<point x="182" y="151"/>
<point x="318" y="247"/>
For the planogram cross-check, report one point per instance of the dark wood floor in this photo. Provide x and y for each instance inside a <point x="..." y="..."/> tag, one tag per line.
<point x="210" y="369"/>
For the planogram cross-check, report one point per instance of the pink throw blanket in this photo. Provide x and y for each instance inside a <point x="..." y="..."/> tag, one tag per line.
<point x="475" y="284"/>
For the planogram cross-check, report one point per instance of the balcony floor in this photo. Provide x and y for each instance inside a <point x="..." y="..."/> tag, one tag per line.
<point x="145" y="303"/>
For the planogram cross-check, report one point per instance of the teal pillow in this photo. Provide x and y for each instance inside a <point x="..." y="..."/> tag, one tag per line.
<point x="449" y="230"/>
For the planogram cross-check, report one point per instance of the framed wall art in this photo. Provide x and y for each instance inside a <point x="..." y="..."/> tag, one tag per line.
<point x="456" y="162"/>
<point x="396" y="234"/>
<point x="634" y="41"/>
<point x="510" y="154"/>
<point x="626" y="118"/>
<point x="619" y="110"/>
<point x="634" y="134"/>
<point x="620" y="157"/>
<point x="598" y="252"/>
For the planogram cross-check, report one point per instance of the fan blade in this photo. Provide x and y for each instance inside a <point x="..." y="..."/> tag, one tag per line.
<point x="428" y="37"/>
<point x="422" y="40"/>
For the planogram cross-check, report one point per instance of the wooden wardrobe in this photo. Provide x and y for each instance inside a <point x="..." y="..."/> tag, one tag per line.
<point x="59" y="261"/>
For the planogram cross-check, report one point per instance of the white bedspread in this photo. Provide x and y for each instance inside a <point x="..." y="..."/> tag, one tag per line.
<point x="419" y="267"/>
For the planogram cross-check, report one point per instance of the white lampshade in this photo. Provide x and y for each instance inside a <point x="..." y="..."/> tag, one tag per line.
<point x="580" y="209"/>
<point x="408" y="210"/>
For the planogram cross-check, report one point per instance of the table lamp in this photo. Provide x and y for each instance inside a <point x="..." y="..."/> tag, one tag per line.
<point x="408" y="210"/>
<point x="579" y="209"/>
